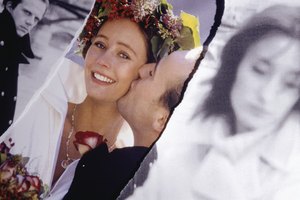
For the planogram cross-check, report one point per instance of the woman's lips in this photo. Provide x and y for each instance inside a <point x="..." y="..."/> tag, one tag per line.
<point x="102" y="79"/>
<point x="259" y="111"/>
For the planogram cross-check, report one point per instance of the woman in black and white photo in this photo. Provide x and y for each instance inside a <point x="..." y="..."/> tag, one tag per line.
<point x="250" y="121"/>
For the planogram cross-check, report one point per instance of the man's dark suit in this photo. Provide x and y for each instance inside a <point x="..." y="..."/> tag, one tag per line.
<point x="13" y="50"/>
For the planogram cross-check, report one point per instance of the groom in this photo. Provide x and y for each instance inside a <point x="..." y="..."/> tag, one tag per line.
<point x="151" y="100"/>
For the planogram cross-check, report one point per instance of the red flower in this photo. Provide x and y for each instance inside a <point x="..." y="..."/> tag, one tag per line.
<point x="7" y="171"/>
<point x="85" y="141"/>
<point x="35" y="183"/>
<point x="15" y="181"/>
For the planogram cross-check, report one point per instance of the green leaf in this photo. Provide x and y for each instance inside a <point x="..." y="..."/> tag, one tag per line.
<point x="25" y="160"/>
<point x="170" y="7"/>
<point x="155" y="45"/>
<point x="185" y="41"/>
<point x="3" y="157"/>
<point x="191" y="22"/>
<point x="164" y="48"/>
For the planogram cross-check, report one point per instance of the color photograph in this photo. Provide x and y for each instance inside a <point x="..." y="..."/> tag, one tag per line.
<point x="150" y="99"/>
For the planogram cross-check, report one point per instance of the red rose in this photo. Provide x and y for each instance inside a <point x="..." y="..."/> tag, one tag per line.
<point x="85" y="141"/>
<point x="35" y="183"/>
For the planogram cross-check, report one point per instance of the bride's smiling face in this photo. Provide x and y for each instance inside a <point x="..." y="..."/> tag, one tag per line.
<point x="113" y="59"/>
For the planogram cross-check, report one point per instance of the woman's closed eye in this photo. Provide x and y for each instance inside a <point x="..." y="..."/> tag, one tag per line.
<point x="260" y="69"/>
<point x="291" y="85"/>
<point x="292" y="81"/>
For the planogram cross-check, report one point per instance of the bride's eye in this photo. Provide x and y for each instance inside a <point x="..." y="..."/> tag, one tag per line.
<point x="100" y="45"/>
<point x="124" y="55"/>
<point x="150" y="73"/>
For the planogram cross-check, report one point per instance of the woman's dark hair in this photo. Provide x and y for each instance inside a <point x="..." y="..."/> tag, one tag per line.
<point x="278" y="19"/>
<point x="163" y="31"/>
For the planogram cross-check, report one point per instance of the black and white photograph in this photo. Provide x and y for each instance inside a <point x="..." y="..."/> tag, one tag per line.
<point x="35" y="34"/>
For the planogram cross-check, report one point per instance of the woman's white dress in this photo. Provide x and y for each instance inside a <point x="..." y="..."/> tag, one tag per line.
<point x="37" y="132"/>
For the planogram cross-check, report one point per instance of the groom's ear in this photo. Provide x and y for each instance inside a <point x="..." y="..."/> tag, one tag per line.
<point x="160" y="119"/>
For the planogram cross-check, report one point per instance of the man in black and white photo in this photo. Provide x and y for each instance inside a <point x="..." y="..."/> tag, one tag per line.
<point x="18" y="18"/>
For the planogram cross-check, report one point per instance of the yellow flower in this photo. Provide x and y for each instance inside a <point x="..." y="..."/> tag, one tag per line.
<point x="193" y="23"/>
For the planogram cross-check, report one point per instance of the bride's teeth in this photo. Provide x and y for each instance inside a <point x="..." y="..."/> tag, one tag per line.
<point x="102" y="78"/>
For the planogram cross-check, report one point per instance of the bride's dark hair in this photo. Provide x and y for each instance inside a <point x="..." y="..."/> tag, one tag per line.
<point x="164" y="32"/>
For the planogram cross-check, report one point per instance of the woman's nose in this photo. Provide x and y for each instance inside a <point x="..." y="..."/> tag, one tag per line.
<point x="270" y="91"/>
<point x="104" y="59"/>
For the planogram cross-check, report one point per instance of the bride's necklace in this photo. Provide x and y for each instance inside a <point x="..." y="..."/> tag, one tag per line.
<point x="66" y="162"/>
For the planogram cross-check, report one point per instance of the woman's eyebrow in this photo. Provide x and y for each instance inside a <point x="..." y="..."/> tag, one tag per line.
<point x="127" y="46"/>
<point x="265" y="61"/>
<point x="102" y="36"/>
<point x="119" y="43"/>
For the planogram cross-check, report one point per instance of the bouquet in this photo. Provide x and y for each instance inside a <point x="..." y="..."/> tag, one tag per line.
<point x="15" y="181"/>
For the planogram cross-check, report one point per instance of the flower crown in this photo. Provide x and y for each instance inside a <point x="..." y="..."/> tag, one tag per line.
<point x="165" y="31"/>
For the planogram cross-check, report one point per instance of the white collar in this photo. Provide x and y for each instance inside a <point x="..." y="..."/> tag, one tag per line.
<point x="277" y="145"/>
<point x="279" y="150"/>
